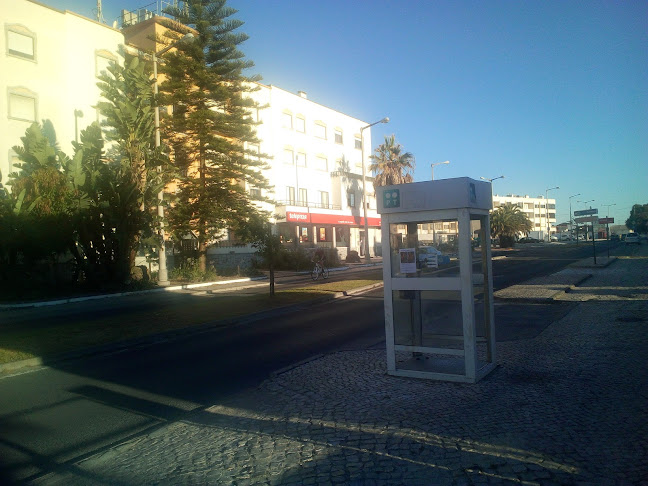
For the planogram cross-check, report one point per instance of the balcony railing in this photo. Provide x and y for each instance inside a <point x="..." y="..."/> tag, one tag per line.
<point x="303" y="204"/>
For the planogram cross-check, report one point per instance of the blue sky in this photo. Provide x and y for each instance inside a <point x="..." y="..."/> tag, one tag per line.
<point x="551" y="93"/>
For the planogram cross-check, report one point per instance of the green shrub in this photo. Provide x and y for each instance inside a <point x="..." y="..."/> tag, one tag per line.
<point x="189" y="271"/>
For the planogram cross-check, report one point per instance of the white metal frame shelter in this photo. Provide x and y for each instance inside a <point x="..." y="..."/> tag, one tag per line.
<point x="419" y="301"/>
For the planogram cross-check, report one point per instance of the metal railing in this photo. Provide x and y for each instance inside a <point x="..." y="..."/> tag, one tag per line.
<point x="305" y="204"/>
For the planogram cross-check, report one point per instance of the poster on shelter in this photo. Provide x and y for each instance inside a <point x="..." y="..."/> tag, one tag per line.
<point x="407" y="260"/>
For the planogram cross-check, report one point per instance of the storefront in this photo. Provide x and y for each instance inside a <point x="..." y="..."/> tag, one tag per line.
<point x="329" y="229"/>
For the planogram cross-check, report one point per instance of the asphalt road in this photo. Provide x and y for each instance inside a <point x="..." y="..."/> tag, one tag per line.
<point x="53" y="417"/>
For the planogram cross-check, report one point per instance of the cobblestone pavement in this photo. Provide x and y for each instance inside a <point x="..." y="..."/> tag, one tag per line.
<point x="569" y="406"/>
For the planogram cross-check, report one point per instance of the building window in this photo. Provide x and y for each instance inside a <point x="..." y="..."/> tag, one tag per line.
<point x="286" y="120"/>
<point x="338" y="136"/>
<point x="289" y="157"/>
<point x="21" y="42"/>
<point x="351" y="199"/>
<point x="358" y="143"/>
<point x="255" y="193"/>
<point x="300" y="124"/>
<point x="320" y="131"/>
<point x="322" y="234"/>
<point x="22" y="105"/>
<point x="321" y="163"/>
<point x="301" y="159"/>
<point x="303" y="196"/>
<point x="324" y="199"/>
<point x="290" y="195"/>
<point x="102" y="61"/>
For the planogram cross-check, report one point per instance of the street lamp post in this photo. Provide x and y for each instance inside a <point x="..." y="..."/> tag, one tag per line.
<point x="163" y="276"/>
<point x="491" y="182"/>
<point x="571" y="219"/>
<point x="364" y="187"/>
<point x="77" y="114"/>
<point x="547" y="211"/>
<point x="438" y="163"/>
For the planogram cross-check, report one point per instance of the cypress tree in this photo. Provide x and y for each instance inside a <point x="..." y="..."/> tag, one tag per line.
<point x="210" y="123"/>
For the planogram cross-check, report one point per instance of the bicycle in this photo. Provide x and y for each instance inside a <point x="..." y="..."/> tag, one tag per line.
<point x="319" y="270"/>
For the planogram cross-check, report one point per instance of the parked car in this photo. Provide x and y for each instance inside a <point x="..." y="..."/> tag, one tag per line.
<point x="553" y="238"/>
<point x="529" y="239"/>
<point x="430" y="257"/>
<point x="615" y="238"/>
<point x="632" y="239"/>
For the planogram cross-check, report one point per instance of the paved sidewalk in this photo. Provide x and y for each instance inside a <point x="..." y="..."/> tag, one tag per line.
<point x="569" y="406"/>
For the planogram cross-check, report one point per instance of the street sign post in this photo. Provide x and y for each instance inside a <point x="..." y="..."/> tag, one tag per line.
<point x="586" y="212"/>
<point x="606" y="222"/>
<point x="588" y="217"/>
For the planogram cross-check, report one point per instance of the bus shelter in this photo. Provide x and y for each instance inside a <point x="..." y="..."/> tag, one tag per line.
<point x="439" y="319"/>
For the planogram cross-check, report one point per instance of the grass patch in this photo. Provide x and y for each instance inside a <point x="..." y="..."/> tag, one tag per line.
<point x="42" y="340"/>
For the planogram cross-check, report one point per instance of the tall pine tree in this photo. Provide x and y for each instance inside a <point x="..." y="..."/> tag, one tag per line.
<point x="210" y="124"/>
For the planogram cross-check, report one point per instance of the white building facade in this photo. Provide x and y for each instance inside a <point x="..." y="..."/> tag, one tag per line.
<point x="316" y="172"/>
<point x="540" y="211"/>
<point x="49" y="60"/>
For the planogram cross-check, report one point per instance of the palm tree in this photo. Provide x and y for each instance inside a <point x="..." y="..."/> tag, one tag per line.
<point x="390" y="164"/>
<point x="506" y="222"/>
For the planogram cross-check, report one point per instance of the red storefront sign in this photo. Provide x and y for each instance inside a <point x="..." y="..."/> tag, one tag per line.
<point x="319" y="218"/>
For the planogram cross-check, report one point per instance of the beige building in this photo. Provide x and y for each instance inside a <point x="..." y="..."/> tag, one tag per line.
<point x="49" y="60"/>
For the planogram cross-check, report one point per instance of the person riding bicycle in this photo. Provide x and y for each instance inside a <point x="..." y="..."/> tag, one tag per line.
<point x="319" y="257"/>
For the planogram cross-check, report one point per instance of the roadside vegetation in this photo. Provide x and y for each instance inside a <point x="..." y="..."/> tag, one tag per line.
<point x="75" y="222"/>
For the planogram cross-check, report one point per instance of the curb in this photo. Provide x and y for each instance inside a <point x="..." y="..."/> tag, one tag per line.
<point x="72" y="300"/>
<point x="151" y="339"/>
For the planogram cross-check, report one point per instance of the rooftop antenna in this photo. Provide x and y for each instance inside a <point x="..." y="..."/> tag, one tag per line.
<point x="100" y="17"/>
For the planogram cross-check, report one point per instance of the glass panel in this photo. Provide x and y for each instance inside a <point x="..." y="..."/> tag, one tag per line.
<point x="425" y="249"/>
<point x="286" y="120"/>
<point x="20" y="45"/>
<point x="22" y="107"/>
<point x="320" y="131"/>
<point x="300" y="125"/>
<point x="102" y="64"/>
<point x="428" y="318"/>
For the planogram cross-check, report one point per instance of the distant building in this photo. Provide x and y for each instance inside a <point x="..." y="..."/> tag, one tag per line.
<point x="49" y="60"/>
<point x="540" y="211"/>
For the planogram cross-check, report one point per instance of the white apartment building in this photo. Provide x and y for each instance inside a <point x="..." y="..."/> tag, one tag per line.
<point x="316" y="172"/>
<point x="49" y="60"/>
<point x="540" y="211"/>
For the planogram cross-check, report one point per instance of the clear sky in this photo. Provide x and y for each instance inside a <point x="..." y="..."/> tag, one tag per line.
<point x="546" y="93"/>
